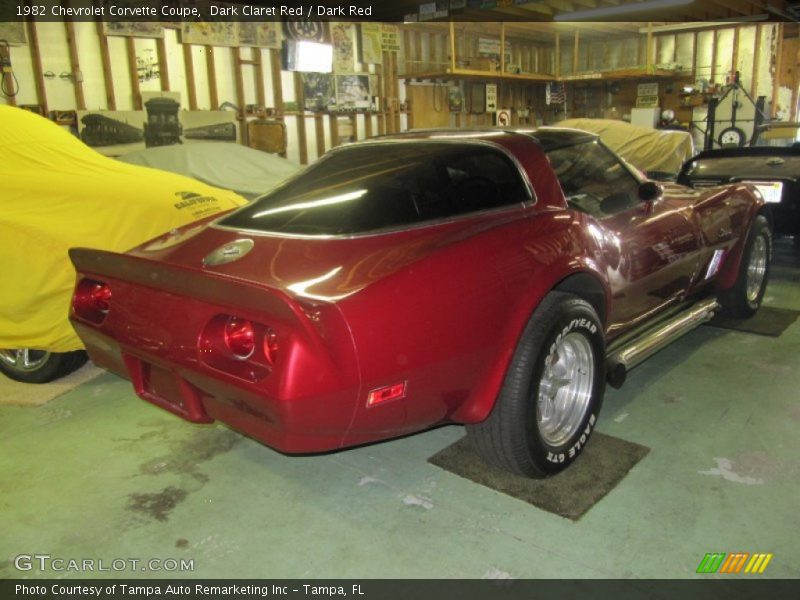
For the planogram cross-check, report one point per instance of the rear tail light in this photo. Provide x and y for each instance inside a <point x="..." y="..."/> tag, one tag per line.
<point x="101" y="297"/>
<point x="239" y="346"/>
<point x="239" y="336"/>
<point x="92" y="300"/>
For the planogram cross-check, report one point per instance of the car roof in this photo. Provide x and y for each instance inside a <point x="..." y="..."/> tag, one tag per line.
<point x="549" y="138"/>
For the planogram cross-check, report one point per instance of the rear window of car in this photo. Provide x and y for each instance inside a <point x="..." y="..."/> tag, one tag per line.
<point x="380" y="186"/>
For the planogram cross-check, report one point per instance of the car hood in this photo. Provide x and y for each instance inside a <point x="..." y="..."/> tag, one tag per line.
<point x="743" y="164"/>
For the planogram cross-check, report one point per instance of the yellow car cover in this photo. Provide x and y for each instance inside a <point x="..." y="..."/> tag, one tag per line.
<point x="649" y="150"/>
<point x="57" y="193"/>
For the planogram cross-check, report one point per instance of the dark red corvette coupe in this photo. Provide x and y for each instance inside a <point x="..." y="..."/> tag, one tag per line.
<point x="492" y="278"/>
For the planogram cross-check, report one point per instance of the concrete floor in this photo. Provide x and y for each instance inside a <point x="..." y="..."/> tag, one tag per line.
<point x="98" y="473"/>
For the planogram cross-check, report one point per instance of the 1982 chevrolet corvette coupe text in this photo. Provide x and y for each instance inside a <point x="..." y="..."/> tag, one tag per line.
<point x="491" y="278"/>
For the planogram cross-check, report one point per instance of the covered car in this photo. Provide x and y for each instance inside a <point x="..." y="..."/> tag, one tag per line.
<point x="660" y="153"/>
<point x="59" y="193"/>
<point x="231" y="166"/>
<point x="492" y="278"/>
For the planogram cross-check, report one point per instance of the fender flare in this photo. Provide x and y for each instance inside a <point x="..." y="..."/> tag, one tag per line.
<point x="567" y="270"/>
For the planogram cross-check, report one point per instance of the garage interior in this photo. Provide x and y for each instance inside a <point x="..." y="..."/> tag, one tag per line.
<point x="87" y="469"/>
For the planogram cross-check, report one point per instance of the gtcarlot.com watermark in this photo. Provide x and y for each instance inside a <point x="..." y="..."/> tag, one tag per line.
<point x="56" y="564"/>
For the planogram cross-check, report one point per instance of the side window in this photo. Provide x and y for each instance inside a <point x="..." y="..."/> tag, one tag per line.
<point x="593" y="180"/>
<point x="482" y="180"/>
<point x="459" y="181"/>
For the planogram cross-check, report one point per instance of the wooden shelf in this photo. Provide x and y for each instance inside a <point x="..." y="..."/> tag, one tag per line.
<point x="475" y="74"/>
<point x="349" y="113"/>
<point x="640" y="73"/>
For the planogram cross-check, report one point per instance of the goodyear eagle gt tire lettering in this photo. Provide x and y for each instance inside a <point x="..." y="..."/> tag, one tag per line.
<point x="552" y="393"/>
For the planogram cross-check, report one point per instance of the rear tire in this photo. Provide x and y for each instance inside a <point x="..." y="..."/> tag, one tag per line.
<point x="37" y="366"/>
<point x="744" y="298"/>
<point x="552" y="393"/>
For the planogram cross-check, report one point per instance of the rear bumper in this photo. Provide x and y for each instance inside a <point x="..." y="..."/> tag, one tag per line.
<point x="296" y="425"/>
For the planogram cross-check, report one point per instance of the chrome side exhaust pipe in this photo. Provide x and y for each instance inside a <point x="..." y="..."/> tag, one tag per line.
<point x="623" y="359"/>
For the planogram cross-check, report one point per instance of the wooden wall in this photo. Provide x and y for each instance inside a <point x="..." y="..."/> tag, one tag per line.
<point x="767" y="64"/>
<point x="68" y="66"/>
<point x="96" y="72"/>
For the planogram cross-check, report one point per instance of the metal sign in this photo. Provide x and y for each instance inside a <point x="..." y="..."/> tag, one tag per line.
<point x="503" y="117"/>
<point x="491" y="97"/>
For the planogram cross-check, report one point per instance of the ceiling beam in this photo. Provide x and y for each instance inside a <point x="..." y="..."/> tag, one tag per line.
<point x="561" y="5"/>
<point x="741" y="7"/>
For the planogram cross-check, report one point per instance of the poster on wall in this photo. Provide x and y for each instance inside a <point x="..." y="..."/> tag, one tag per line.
<point x="112" y="132"/>
<point x="390" y="38"/>
<point x="162" y="124"/>
<point x="133" y="29"/>
<point x="209" y="126"/>
<point x="353" y="91"/>
<point x="343" y="47"/>
<point x="318" y="93"/>
<point x="144" y="29"/>
<point x="166" y="124"/>
<point x="371" y="43"/>
<point x="309" y="31"/>
<point x="455" y="98"/>
<point x="262" y="35"/>
<point x="647" y="89"/>
<point x="13" y="33"/>
<point x="491" y="47"/>
<point x="216" y="33"/>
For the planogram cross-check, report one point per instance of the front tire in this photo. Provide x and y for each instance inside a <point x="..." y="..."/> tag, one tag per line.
<point x="38" y="366"/>
<point x="744" y="298"/>
<point x="552" y="394"/>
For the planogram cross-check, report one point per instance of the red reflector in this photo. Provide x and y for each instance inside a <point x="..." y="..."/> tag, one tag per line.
<point x="385" y="394"/>
<point x="101" y="297"/>
<point x="239" y="337"/>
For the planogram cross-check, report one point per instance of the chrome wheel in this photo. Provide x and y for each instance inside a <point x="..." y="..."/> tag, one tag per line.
<point x="756" y="268"/>
<point x="565" y="389"/>
<point x="24" y="359"/>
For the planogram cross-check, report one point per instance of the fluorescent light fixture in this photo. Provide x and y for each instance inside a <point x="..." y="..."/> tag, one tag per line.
<point x="678" y="27"/>
<point x="621" y="9"/>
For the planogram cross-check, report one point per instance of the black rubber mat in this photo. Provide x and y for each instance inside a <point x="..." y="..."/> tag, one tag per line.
<point x="603" y="464"/>
<point x="769" y="320"/>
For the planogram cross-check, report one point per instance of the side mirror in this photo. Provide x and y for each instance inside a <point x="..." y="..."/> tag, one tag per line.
<point x="650" y="191"/>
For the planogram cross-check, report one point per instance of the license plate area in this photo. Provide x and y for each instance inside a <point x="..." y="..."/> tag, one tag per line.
<point x="772" y="191"/>
<point x="162" y="384"/>
<point x="166" y="388"/>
